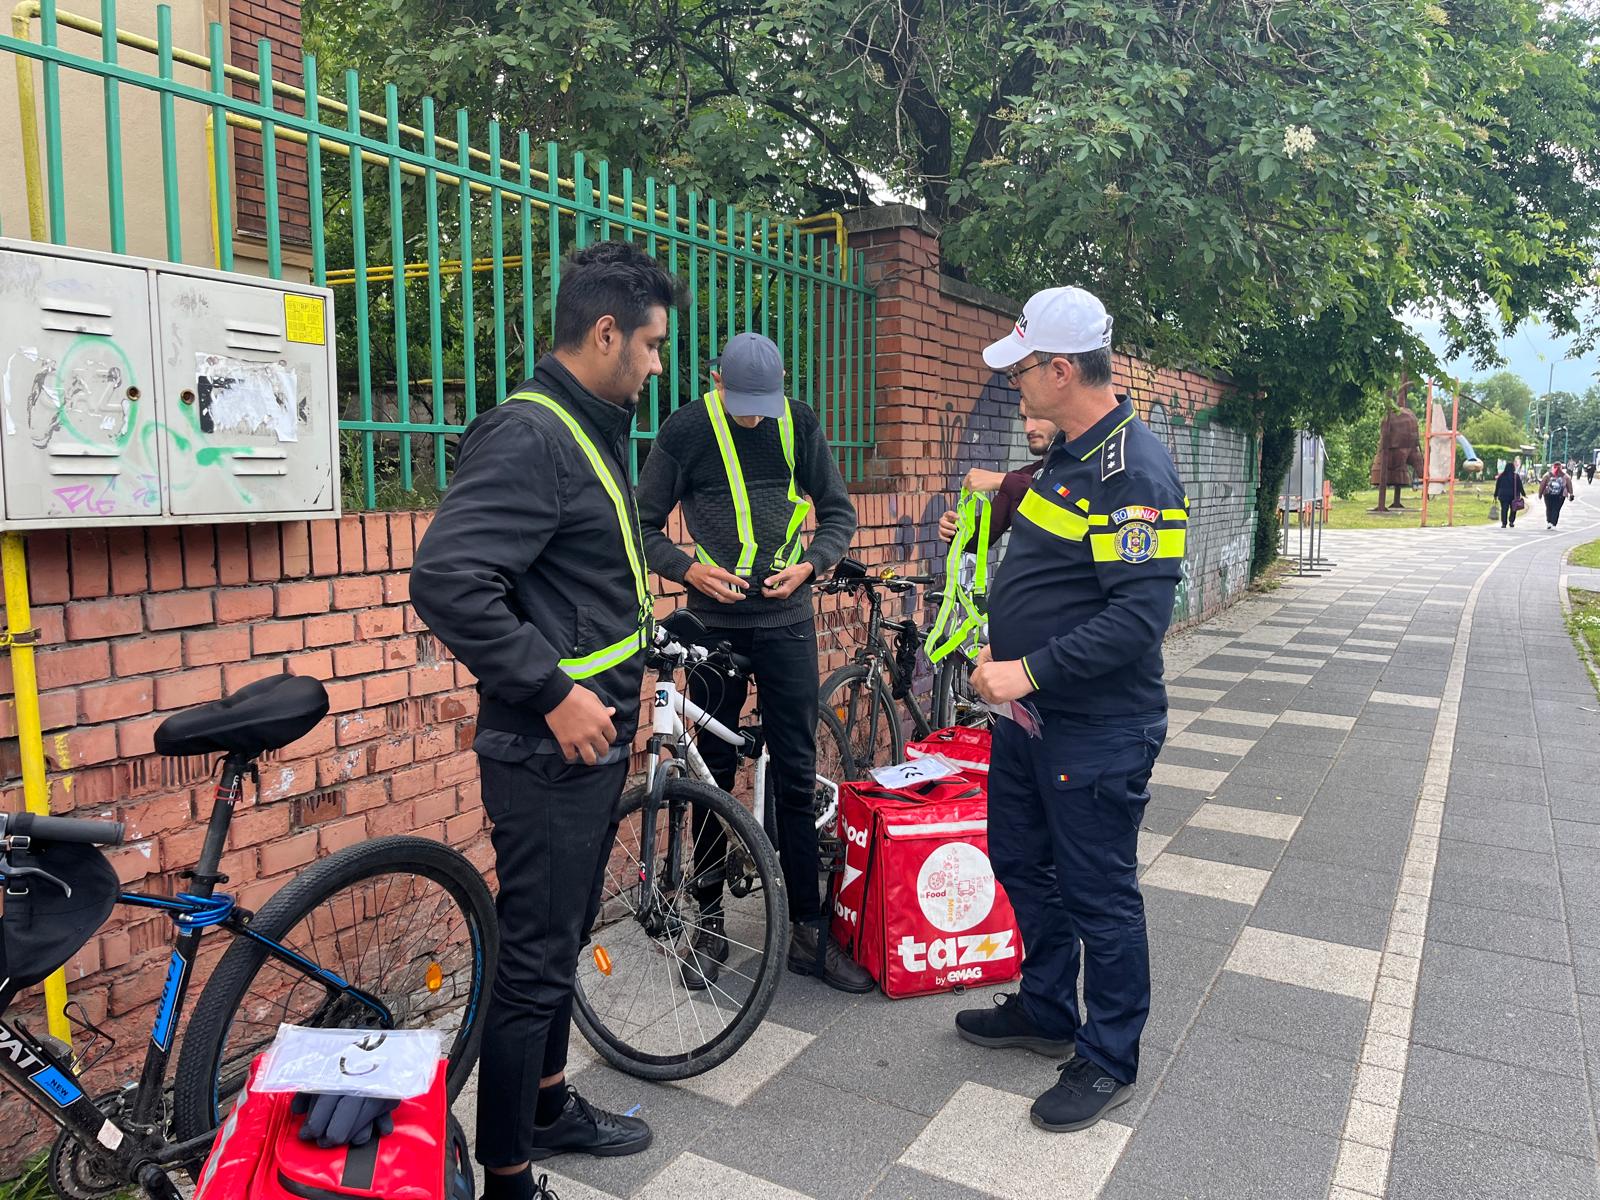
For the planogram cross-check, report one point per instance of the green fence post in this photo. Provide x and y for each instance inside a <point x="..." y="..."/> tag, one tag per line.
<point x="358" y="260"/>
<point x="319" y="245"/>
<point x="221" y="173"/>
<point x="469" y="333"/>
<point x="269" y="159"/>
<point x="397" y="257"/>
<point x="552" y="158"/>
<point x="113" y="130"/>
<point x="430" y="182"/>
<point x="672" y="317"/>
<point x="498" y="195"/>
<point x="524" y="165"/>
<point x="169" y="136"/>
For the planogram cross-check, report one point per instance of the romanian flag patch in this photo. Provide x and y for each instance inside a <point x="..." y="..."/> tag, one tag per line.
<point x="1063" y="491"/>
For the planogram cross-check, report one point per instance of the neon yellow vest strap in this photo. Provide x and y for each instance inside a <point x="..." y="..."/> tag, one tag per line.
<point x="622" y="650"/>
<point x="789" y="552"/>
<point x="961" y="613"/>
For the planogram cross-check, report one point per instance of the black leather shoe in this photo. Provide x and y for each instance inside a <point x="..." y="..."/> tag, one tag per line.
<point x="837" y="969"/>
<point x="1084" y="1094"/>
<point x="584" y="1129"/>
<point x="707" y="949"/>
<point x="1005" y="1024"/>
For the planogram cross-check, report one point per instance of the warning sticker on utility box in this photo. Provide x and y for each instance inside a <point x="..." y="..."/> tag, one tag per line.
<point x="303" y="319"/>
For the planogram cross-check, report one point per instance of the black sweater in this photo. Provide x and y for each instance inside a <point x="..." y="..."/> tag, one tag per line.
<point x="684" y="466"/>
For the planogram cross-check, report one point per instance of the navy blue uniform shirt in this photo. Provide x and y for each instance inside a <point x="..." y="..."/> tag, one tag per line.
<point x="1085" y="592"/>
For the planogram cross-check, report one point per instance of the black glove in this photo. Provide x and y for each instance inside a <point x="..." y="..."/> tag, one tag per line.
<point x="342" y="1119"/>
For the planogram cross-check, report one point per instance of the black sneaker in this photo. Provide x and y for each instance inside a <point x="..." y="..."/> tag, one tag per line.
<point x="707" y="949"/>
<point x="584" y="1129"/>
<point x="837" y="969"/>
<point x="1004" y="1025"/>
<point x="1084" y="1094"/>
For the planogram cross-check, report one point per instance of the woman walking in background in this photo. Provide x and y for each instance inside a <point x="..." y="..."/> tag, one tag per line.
<point x="1509" y="494"/>
<point x="1555" y="487"/>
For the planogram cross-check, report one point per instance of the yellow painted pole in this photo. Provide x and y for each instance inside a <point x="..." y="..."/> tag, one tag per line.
<point x="30" y="737"/>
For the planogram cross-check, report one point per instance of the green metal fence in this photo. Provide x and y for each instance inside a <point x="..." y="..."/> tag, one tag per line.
<point x="443" y="251"/>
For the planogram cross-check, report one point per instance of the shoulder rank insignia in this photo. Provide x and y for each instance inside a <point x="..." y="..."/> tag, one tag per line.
<point x="1136" y="512"/>
<point x="1111" y="455"/>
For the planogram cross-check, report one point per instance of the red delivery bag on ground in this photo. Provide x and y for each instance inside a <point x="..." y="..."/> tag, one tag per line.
<point x="958" y="745"/>
<point x="258" y="1154"/>
<point x="918" y="905"/>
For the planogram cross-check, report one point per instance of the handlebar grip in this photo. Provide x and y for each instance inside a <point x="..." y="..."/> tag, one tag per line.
<point x="742" y="664"/>
<point x="66" y="829"/>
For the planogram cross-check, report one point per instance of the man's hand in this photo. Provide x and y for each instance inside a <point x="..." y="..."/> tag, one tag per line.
<point x="947" y="525"/>
<point x="782" y="585"/>
<point x="1001" y="682"/>
<point x="582" y="725"/>
<point x="720" y="585"/>
<point x="979" y="480"/>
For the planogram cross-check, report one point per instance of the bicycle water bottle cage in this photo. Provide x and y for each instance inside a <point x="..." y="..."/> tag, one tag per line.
<point x="265" y="715"/>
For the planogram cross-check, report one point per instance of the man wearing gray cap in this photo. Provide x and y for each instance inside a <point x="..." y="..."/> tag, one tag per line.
<point x="749" y="467"/>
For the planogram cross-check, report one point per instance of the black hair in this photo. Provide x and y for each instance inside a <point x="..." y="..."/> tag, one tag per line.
<point x="615" y="279"/>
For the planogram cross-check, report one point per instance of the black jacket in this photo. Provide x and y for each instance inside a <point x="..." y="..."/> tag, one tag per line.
<point x="524" y="564"/>
<point x="1508" y="486"/>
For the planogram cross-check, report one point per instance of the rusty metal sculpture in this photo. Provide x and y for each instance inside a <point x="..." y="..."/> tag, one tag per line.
<point x="1399" y="453"/>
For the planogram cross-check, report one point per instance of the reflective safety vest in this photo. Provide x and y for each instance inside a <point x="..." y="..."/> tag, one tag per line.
<point x="789" y="552"/>
<point x="623" y="649"/>
<point x="961" y="613"/>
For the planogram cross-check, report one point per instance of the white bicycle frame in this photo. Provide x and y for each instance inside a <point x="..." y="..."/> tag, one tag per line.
<point x="674" y="714"/>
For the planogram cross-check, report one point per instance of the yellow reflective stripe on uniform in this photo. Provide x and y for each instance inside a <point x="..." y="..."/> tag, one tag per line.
<point x="1099" y="519"/>
<point x="1062" y="522"/>
<point x="1170" y="543"/>
<point x="789" y="552"/>
<point x="1087" y="454"/>
<point x="1084" y="504"/>
<point x="620" y="651"/>
<point x="1175" y="514"/>
<point x="603" y="660"/>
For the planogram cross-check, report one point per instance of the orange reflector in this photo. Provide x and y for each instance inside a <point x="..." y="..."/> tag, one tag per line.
<point x="840" y="711"/>
<point x="602" y="960"/>
<point x="435" y="977"/>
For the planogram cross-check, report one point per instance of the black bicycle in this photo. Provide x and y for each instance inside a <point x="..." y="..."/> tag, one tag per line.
<point x="398" y="932"/>
<point x="858" y="701"/>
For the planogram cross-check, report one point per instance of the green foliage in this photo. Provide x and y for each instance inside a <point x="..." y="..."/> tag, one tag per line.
<point x="1492" y="427"/>
<point x="1492" y="455"/>
<point x="1277" y="452"/>
<point x="1508" y="392"/>
<point x="1351" y="447"/>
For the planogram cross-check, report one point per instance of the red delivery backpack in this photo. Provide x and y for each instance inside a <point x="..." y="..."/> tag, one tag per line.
<point x="258" y="1154"/>
<point x="918" y="905"/>
<point x="958" y="745"/>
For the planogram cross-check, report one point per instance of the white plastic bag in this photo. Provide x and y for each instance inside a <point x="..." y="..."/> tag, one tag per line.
<point x="393" y="1064"/>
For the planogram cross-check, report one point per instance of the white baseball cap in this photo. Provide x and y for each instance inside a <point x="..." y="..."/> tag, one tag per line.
<point x="1063" y="320"/>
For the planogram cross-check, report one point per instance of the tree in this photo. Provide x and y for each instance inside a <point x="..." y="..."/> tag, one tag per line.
<point x="1507" y="392"/>
<point x="1493" y="427"/>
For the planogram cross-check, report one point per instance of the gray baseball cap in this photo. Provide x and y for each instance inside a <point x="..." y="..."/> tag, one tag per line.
<point x="752" y="376"/>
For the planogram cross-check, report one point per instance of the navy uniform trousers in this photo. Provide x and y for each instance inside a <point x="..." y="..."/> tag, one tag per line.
<point x="1064" y="813"/>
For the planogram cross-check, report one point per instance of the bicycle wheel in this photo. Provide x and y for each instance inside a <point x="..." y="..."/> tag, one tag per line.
<point x="652" y="997"/>
<point x="954" y="701"/>
<point x="407" y="920"/>
<point x="856" y="696"/>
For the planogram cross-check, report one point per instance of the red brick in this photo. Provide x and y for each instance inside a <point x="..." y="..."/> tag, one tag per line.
<point x="436" y="806"/>
<point x="344" y="696"/>
<point x="49" y="579"/>
<point x="56" y="710"/>
<point x="129" y="572"/>
<point x="91" y="564"/>
<point x="357" y="591"/>
<point x="352" y="551"/>
<point x="400" y="548"/>
<point x="317" y="663"/>
<point x="257" y="826"/>
<point x="295" y="540"/>
<point x="337" y="835"/>
<point x="455" y="706"/>
<point x="133" y="861"/>
<point x="165" y="545"/>
<point x="439" y="677"/>
<point x="392" y="818"/>
<point x="266" y="561"/>
<point x="86" y="747"/>
<point x="158" y="815"/>
<point x="375" y="532"/>
<point x="379" y="623"/>
<point x="187" y="688"/>
<point x="277" y="637"/>
<point x="207" y="646"/>
<point x="318" y="741"/>
<point x="233" y="554"/>
<point x="243" y="604"/>
<point x="341" y="767"/>
<point x="434" y="741"/>
<point x="71" y="665"/>
<point x="297" y="599"/>
<point x="199" y="556"/>
<point x="412" y="781"/>
<point x="238" y="675"/>
<point x="397" y="588"/>
<point x="389" y="754"/>
<point x="365" y="794"/>
<point x="103" y="618"/>
<point x="177" y="610"/>
<point x="399" y="652"/>
<point x="51" y="622"/>
<point x="287" y="853"/>
<point x="330" y="629"/>
<point x="463" y="826"/>
<point x="358" y="727"/>
<point x="324" y="548"/>
<point x="384" y="689"/>
<point x="135" y="739"/>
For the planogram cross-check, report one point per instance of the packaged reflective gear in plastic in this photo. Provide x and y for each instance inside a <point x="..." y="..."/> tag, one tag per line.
<point x="966" y="749"/>
<point x="391" y="1064"/>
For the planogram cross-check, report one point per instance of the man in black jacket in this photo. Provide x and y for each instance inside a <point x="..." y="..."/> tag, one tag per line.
<point x="532" y="573"/>
<point x="749" y="467"/>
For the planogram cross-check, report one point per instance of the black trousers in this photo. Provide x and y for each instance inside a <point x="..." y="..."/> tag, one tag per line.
<point x="786" y="676"/>
<point x="554" y="824"/>
<point x="1552" y="508"/>
<point x="1508" y="513"/>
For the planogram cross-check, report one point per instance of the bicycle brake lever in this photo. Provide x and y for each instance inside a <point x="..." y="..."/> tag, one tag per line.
<point x="11" y="872"/>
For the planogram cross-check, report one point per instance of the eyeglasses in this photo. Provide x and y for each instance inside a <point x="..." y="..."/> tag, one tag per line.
<point x="1013" y="374"/>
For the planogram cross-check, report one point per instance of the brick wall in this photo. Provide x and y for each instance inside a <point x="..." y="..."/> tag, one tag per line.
<point x="279" y="22"/>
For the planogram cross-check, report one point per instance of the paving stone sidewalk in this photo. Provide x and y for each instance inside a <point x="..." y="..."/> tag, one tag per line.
<point x="1371" y="866"/>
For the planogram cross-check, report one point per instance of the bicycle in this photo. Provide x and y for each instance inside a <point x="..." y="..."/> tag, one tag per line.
<point x="653" y="998"/>
<point x="858" y="700"/>
<point x="415" y="910"/>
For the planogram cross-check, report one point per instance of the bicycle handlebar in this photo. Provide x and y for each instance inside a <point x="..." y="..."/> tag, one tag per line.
<point x="694" y="654"/>
<point x="65" y="829"/>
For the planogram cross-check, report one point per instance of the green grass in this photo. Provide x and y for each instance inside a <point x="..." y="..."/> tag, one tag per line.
<point x="34" y="1184"/>
<point x="1583" y="622"/>
<point x="1586" y="555"/>
<point x="1472" y="508"/>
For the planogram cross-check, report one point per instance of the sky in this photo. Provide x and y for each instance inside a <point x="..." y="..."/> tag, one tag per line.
<point x="1531" y="352"/>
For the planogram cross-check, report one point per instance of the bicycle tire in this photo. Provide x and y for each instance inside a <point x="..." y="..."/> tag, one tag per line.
<point x="954" y="701"/>
<point x="855" y="693"/>
<point x="644" y="1064"/>
<point x="199" y="1093"/>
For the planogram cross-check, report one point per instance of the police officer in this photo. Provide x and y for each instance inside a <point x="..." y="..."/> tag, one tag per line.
<point x="533" y="574"/>
<point x="1076" y="618"/>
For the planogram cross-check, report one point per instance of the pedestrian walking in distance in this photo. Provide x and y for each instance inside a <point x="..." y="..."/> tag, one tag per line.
<point x="1076" y="617"/>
